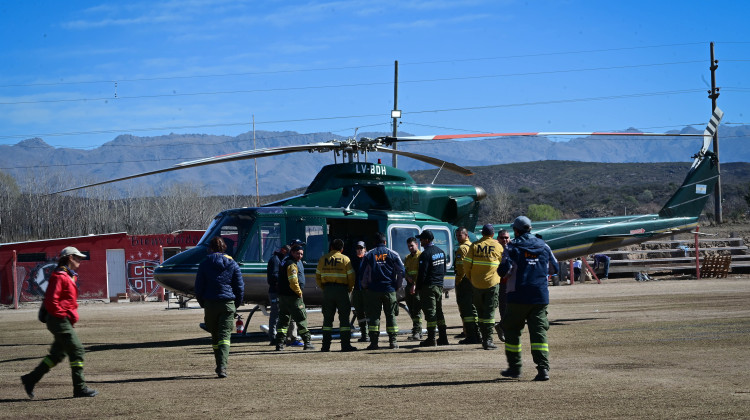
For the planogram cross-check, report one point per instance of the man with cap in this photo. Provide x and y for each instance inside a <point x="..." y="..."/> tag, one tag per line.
<point x="60" y="302"/>
<point x="503" y="237"/>
<point x="464" y="292"/>
<point x="480" y="265"/>
<point x="411" y="297"/>
<point x="382" y="277"/>
<point x="530" y="261"/>
<point x="272" y="276"/>
<point x="335" y="276"/>
<point x="291" y="306"/>
<point x="358" y="294"/>
<point x="430" y="287"/>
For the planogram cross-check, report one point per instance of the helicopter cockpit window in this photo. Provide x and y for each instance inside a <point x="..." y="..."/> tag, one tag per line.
<point x="262" y="244"/>
<point x="443" y="241"/>
<point x="233" y="228"/>
<point x="399" y="235"/>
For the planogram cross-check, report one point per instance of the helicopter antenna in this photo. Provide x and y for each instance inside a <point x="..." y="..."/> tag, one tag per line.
<point x="438" y="173"/>
<point x="348" y="209"/>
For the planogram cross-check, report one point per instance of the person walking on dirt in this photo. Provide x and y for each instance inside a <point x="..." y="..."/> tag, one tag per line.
<point x="61" y="306"/>
<point x="528" y="296"/>
<point x="219" y="289"/>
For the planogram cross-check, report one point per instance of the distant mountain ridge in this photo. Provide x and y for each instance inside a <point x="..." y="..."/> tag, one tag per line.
<point x="128" y="154"/>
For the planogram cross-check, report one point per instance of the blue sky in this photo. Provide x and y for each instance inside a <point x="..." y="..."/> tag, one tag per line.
<point x="77" y="74"/>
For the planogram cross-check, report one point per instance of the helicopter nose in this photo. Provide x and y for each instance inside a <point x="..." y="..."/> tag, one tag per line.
<point x="481" y="193"/>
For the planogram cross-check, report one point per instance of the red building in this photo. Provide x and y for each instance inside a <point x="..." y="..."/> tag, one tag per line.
<point x="116" y="263"/>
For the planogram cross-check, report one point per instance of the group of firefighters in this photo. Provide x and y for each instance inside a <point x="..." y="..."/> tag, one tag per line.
<point x="511" y="275"/>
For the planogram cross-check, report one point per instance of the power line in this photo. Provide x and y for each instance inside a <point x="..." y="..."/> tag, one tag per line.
<point x="634" y="95"/>
<point x="271" y="72"/>
<point x="347" y="85"/>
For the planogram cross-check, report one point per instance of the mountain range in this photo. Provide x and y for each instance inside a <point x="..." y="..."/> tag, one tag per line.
<point x="35" y="161"/>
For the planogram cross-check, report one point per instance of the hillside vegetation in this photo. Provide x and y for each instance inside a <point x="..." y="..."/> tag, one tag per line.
<point x="541" y="190"/>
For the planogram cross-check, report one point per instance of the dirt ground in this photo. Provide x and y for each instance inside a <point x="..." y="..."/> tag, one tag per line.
<point x="622" y="349"/>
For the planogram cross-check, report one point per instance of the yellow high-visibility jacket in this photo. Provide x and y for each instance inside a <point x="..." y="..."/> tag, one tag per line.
<point x="335" y="267"/>
<point x="481" y="262"/>
<point x="458" y="265"/>
<point x="411" y="265"/>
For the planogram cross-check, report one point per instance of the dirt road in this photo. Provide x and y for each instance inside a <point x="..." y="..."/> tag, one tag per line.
<point x="622" y="349"/>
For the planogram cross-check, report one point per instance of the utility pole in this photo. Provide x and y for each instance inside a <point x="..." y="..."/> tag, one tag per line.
<point x="714" y="94"/>
<point x="395" y="111"/>
<point x="257" y="190"/>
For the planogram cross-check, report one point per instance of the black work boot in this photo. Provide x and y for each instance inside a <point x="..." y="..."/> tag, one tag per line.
<point x="487" y="343"/>
<point x="392" y="342"/>
<point x="416" y="334"/>
<point x="374" y="341"/>
<point x="442" y="336"/>
<point x="472" y="334"/>
<point x="542" y="374"/>
<point x="279" y="343"/>
<point x="511" y="372"/>
<point x="326" y="342"/>
<point x="85" y="392"/>
<point x="346" y="345"/>
<point x="430" y="340"/>
<point x="28" y="385"/>
<point x="363" y="332"/>
<point x="308" y="344"/>
<point x="221" y="371"/>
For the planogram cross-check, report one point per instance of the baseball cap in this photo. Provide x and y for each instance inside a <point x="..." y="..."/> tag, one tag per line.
<point x="69" y="250"/>
<point x="426" y="234"/>
<point x="360" y="244"/>
<point x="296" y="242"/>
<point x="488" y="230"/>
<point x="522" y="223"/>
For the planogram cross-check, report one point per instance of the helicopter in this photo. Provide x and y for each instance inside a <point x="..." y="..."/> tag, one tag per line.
<point x="352" y="200"/>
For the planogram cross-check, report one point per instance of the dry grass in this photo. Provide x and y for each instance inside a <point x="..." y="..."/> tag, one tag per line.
<point x="667" y="349"/>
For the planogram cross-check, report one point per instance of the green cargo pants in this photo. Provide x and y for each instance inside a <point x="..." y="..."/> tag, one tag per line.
<point x="516" y="314"/>
<point x="336" y="298"/>
<point x="485" y="300"/>
<point x="66" y="344"/>
<point x="431" y="298"/>
<point x="385" y="302"/>
<point x="219" y="318"/>
<point x="291" y="308"/>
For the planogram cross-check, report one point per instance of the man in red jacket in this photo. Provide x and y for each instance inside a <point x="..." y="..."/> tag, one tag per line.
<point x="61" y="303"/>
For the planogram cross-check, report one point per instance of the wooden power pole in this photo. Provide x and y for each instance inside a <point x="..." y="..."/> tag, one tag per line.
<point x="714" y="94"/>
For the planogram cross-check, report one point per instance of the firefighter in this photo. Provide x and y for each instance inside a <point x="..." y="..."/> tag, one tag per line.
<point x="60" y="302"/>
<point x="531" y="262"/>
<point x="430" y="286"/>
<point x="219" y="289"/>
<point x="411" y="297"/>
<point x="480" y="265"/>
<point x="383" y="272"/>
<point x="464" y="292"/>
<point x="335" y="276"/>
<point x="291" y="306"/>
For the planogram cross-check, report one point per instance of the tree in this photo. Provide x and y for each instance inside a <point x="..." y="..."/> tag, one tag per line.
<point x="538" y="212"/>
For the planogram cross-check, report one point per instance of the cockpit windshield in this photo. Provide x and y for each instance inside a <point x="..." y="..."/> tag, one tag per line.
<point x="233" y="228"/>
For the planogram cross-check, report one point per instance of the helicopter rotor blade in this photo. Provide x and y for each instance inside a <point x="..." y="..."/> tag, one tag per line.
<point x="428" y="159"/>
<point x="390" y="140"/>
<point x="231" y="157"/>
